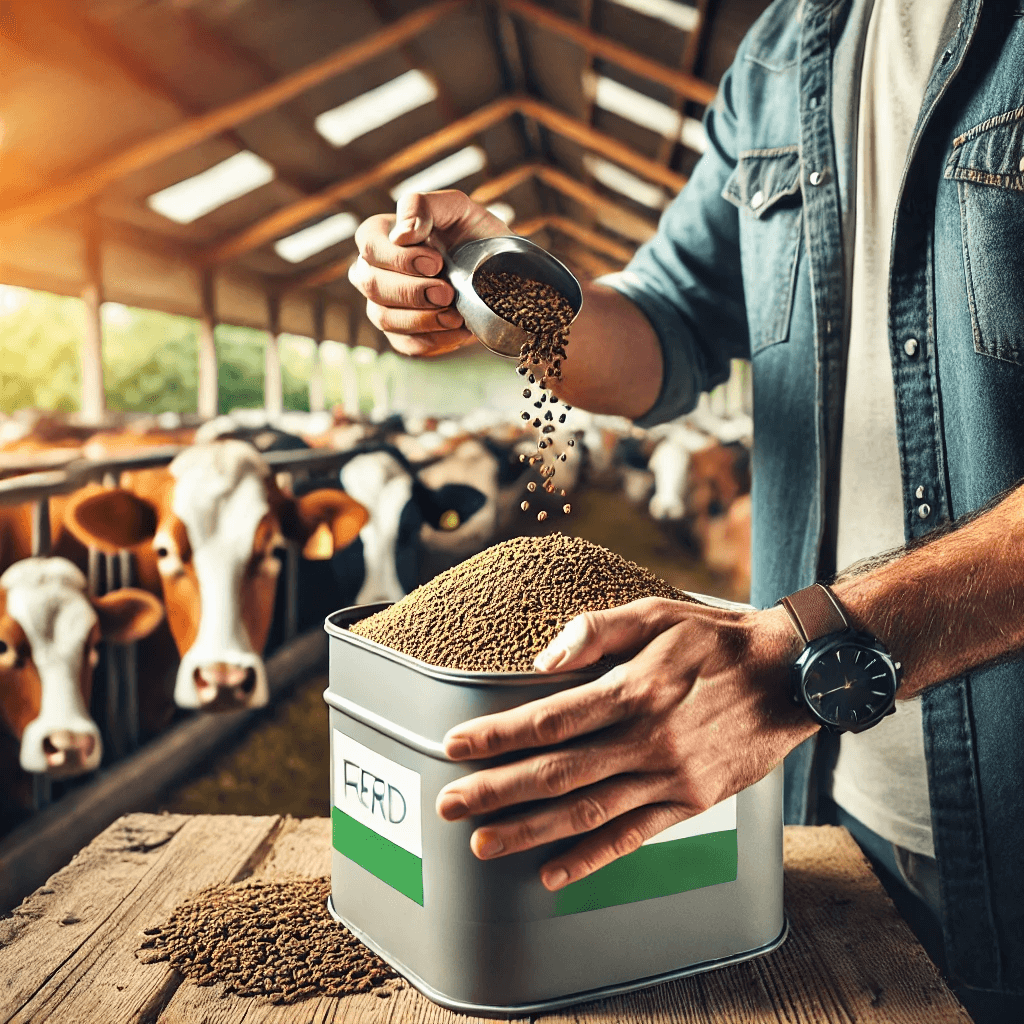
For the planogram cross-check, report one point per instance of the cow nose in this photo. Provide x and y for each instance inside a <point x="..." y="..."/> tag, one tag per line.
<point x="67" y="751"/>
<point x="224" y="685"/>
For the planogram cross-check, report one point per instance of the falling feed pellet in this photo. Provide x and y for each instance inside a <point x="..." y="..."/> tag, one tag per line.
<point x="544" y="314"/>
<point x="496" y="611"/>
<point x="566" y="508"/>
<point x="275" y="940"/>
<point x="532" y="486"/>
<point x="542" y="515"/>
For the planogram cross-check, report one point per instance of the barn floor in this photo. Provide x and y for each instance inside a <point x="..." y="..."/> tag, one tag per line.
<point x="282" y="765"/>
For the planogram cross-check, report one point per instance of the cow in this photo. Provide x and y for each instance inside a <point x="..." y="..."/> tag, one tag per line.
<point x="670" y="463"/>
<point x="386" y="562"/>
<point x="49" y="631"/>
<point x="204" y="531"/>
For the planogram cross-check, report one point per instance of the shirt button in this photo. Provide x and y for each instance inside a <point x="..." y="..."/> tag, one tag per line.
<point x="816" y="177"/>
<point x="919" y="493"/>
<point x="756" y="199"/>
<point x="924" y="511"/>
<point x="910" y="347"/>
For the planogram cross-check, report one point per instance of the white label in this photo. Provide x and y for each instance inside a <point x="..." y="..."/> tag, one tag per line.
<point x="378" y="793"/>
<point x="720" y="818"/>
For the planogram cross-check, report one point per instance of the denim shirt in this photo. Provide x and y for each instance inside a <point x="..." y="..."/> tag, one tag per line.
<point x="749" y="262"/>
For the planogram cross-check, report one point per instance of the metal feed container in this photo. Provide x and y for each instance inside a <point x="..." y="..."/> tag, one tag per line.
<point x="486" y="937"/>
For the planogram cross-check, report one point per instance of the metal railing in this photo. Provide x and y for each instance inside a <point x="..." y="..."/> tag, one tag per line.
<point x="119" y="715"/>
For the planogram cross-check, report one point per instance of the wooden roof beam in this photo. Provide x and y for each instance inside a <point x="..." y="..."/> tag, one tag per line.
<point x="90" y="182"/>
<point x="687" y="85"/>
<point x="289" y="217"/>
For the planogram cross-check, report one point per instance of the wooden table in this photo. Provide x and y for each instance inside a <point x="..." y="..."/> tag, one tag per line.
<point x="67" y="954"/>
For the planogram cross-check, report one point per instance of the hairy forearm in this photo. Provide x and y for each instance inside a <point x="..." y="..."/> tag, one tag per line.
<point x="613" y="359"/>
<point x="950" y="605"/>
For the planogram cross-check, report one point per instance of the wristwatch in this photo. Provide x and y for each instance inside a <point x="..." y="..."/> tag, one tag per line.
<point x="846" y="679"/>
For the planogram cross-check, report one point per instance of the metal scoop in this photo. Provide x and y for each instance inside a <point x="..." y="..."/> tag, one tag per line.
<point x="505" y="254"/>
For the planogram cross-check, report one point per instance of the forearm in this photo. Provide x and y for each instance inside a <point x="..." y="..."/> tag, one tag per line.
<point x="613" y="361"/>
<point x="953" y="604"/>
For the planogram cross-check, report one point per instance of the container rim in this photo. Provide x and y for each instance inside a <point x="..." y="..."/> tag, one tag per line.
<point x="336" y="625"/>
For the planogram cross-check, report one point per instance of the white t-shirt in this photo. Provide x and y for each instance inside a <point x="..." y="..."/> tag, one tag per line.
<point x="880" y="777"/>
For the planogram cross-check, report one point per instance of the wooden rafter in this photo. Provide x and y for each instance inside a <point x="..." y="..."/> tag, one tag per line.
<point x="601" y="46"/>
<point x="88" y="183"/>
<point x="281" y="221"/>
<point x="491" y="190"/>
<point x="587" y="236"/>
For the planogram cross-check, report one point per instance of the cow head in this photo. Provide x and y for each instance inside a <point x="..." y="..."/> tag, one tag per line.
<point x="49" y="629"/>
<point x="211" y="523"/>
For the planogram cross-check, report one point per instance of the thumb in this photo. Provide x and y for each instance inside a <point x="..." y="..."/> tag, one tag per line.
<point x="452" y="213"/>
<point x="592" y="635"/>
<point x="413" y="220"/>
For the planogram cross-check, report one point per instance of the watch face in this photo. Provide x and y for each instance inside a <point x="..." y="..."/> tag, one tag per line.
<point x="849" y="686"/>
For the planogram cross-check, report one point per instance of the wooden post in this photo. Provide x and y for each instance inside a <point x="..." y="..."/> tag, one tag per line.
<point x="91" y="353"/>
<point x="273" y="387"/>
<point x="317" y="401"/>
<point x="207" y="398"/>
<point x="349" y="379"/>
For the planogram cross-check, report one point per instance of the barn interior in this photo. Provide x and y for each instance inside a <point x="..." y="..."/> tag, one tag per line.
<point x="212" y="159"/>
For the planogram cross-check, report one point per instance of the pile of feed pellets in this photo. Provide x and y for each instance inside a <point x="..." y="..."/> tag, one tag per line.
<point x="496" y="611"/>
<point x="270" y="939"/>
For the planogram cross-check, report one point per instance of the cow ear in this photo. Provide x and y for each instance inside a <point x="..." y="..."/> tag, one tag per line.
<point x="449" y="506"/>
<point x="128" y="614"/>
<point x="110" y="519"/>
<point x="324" y="521"/>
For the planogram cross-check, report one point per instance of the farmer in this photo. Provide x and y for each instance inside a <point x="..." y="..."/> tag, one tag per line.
<point x="855" y="229"/>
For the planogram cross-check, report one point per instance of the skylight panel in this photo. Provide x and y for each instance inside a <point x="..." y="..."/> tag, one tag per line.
<point x="194" y="197"/>
<point x="376" y="108"/>
<point x="503" y="211"/>
<point x="645" y="111"/>
<point x="317" y="237"/>
<point x="444" y="173"/>
<point x="632" y="105"/>
<point x="619" y="180"/>
<point x="680" y="16"/>
<point x="692" y="135"/>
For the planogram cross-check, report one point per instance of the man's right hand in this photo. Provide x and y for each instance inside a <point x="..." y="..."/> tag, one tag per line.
<point x="397" y="269"/>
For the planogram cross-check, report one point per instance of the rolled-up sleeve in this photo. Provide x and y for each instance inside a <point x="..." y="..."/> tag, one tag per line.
<point x="686" y="280"/>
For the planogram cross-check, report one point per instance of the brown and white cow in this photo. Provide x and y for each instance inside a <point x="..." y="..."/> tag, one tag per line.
<point x="204" y="531"/>
<point x="49" y="629"/>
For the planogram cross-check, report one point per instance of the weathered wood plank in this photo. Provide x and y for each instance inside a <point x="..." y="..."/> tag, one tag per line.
<point x="100" y="979"/>
<point x="849" y="958"/>
<point x="303" y="848"/>
<point x="55" y="921"/>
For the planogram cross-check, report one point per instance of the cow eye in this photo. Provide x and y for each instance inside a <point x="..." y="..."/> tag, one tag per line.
<point x="3" y="647"/>
<point x="162" y="552"/>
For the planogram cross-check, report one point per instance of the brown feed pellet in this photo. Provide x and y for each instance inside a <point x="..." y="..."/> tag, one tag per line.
<point x="545" y="315"/>
<point x="496" y="611"/>
<point x="270" y="939"/>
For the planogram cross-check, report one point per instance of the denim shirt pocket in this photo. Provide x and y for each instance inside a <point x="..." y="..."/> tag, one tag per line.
<point x="987" y="163"/>
<point x="765" y="187"/>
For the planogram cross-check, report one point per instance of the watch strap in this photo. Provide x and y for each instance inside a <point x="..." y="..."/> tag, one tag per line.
<point x="815" y="612"/>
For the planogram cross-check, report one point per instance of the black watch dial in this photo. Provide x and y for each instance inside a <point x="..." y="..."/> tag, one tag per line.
<point x="849" y="686"/>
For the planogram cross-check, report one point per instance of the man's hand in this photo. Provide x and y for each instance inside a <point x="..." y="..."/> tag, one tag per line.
<point x="702" y="711"/>
<point x="397" y="269"/>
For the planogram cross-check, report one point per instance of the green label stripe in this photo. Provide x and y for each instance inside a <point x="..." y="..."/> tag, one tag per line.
<point x="381" y="857"/>
<point x="661" y="869"/>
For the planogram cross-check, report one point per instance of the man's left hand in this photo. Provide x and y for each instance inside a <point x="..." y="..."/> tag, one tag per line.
<point x="702" y="711"/>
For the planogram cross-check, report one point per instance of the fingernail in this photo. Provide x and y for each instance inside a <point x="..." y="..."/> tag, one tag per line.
<point x="425" y="265"/>
<point x="438" y="295"/>
<point x="449" y="318"/>
<point x="458" y="749"/>
<point x="491" y="847"/>
<point x="555" y="878"/>
<point x="451" y="808"/>
<point x="548" y="660"/>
